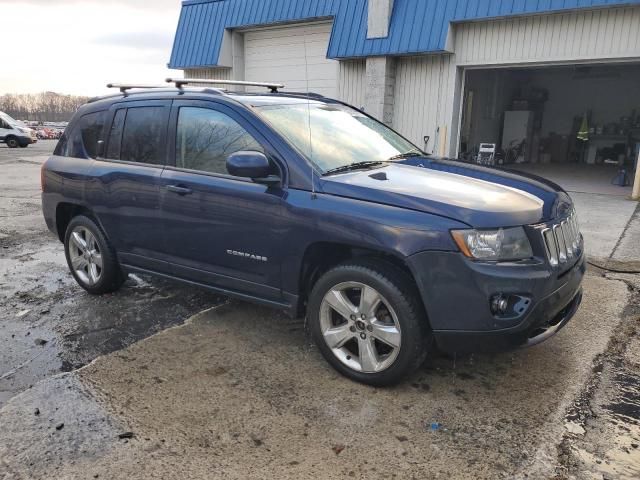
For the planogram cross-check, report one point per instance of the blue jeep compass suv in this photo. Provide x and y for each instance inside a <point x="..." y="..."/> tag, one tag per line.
<point x="304" y="203"/>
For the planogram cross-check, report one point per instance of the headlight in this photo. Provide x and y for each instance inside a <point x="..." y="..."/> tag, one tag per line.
<point x="500" y="244"/>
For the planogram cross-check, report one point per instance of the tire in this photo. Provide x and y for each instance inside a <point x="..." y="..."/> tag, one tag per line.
<point x="12" y="142"/>
<point x="398" y="317"/>
<point x="91" y="258"/>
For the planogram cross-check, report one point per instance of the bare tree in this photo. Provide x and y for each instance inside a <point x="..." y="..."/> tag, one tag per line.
<point x="41" y="107"/>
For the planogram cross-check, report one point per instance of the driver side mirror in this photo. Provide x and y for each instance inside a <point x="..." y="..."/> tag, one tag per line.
<point x="253" y="165"/>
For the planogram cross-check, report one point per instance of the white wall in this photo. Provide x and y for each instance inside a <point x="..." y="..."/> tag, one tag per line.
<point x="580" y="35"/>
<point x="424" y="98"/>
<point x="210" y="74"/>
<point x="351" y="82"/>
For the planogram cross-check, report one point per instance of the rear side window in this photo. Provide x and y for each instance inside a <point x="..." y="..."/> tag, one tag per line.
<point x="91" y="131"/>
<point x="205" y="138"/>
<point x="82" y="140"/>
<point x="137" y="135"/>
<point x="115" y="136"/>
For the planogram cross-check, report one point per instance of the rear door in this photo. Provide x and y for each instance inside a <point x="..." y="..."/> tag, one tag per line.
<point x="220" y="230"/>
<point x="125" y="189"/>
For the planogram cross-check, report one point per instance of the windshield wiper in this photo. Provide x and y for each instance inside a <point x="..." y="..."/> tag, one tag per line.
<point x="352" y="166"/>
<point x="410" y="154"/>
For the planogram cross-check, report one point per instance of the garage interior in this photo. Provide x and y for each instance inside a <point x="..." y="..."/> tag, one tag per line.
<point x="577" y="125"/>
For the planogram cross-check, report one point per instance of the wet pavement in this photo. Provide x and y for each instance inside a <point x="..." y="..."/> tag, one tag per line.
<point x="238" y="391"/>
<point x="49" y="324"/>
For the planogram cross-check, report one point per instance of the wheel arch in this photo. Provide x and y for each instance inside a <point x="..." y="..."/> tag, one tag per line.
<point x="11" y="137"/>
<point x="320" y="257"/>
<point x="66" y="211"/>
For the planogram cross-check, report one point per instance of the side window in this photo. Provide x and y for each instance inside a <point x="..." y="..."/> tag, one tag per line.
<point x="115" y="135"/>
<point x="83" y="139"/>
<point x="4" y="124"/>
<point x="91" y="130"/>
<point x="205" y="138"/>
<point x="143" y="134"/>
<point x="61" y="147"/>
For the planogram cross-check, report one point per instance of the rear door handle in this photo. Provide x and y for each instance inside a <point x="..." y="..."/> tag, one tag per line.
<point x="179" y="190"/>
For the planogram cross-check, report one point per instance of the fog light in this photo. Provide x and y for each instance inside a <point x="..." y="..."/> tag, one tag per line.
<point x="499" y="304"/>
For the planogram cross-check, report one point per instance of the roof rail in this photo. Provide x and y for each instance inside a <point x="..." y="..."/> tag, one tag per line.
<point x="125" y="86"/>
<point x="179" y="82"/>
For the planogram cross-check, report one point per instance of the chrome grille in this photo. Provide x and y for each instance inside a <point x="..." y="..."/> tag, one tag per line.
<point x="562" y="240"/>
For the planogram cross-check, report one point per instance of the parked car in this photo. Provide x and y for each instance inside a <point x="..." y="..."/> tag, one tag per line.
<point x="310" y="205"/>
<point x="14" y="133"/>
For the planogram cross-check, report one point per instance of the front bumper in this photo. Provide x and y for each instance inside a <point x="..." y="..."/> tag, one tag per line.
<point x="456" y="293"/>
<point x="27" y="139"/>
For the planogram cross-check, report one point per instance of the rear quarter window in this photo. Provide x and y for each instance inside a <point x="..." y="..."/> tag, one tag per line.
<point x="82" y="140"/>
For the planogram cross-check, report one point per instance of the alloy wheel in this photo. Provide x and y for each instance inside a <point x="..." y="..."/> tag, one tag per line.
<point x="360" y="327"/>
<point x="85" y="255"/>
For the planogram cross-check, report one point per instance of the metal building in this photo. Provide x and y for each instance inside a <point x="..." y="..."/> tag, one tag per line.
<point x="552" y="83"/>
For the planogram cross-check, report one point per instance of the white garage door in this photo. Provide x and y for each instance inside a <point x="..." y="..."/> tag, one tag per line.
<point x="278" y="55"/>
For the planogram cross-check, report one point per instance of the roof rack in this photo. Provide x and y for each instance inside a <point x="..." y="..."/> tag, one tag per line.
<point x="179" y="82"/>
<point x="125" y="86"/>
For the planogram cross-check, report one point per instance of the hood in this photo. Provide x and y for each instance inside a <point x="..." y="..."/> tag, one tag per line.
<point x="478" y="196"/>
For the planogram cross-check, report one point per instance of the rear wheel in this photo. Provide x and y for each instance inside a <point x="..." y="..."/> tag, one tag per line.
<point x="12" y="142"/>
<point x="91" y="257"/>
<point x="368" y="322"/>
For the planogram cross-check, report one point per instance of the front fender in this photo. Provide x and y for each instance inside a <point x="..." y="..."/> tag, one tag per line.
<point x="360" y="224"/>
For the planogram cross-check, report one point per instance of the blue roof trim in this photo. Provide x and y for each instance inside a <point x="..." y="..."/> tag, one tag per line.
<point x="417" y="26"/>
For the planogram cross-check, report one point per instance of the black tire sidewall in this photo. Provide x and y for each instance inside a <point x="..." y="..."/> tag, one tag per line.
<point x="12" y="142"/>
<point x="111" y="278"/>
<point x="396" y="290"/>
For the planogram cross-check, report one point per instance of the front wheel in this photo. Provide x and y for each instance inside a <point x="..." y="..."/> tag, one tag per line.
<point x="368" y="322"/>
<point x="12" y="142"/>
<point x="91" y="258"/>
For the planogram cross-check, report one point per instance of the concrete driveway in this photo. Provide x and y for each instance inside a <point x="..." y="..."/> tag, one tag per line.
<point x="238" y="391"/>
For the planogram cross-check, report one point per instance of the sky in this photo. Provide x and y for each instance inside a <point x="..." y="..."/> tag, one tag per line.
<point x="78" y="46"/>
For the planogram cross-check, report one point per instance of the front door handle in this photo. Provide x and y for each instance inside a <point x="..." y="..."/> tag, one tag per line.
<point x="179" y="190"/>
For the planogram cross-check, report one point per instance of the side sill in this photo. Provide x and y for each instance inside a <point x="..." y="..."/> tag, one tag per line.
<point x="230" y="293"/>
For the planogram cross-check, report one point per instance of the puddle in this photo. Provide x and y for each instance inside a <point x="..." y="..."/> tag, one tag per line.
<point x="626" y="408"/>
<point x="617" y="425"/>
<point x="40" y="300"/>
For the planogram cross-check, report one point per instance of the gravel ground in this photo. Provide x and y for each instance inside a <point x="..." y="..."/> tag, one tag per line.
<point x="239" y="392"/>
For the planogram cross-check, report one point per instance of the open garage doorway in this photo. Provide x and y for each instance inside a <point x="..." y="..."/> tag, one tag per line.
<point x="577" y="125"/>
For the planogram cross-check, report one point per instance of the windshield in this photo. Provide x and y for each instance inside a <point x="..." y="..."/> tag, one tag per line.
<point x="9" y="120"/>
<point x="340" y="135"/>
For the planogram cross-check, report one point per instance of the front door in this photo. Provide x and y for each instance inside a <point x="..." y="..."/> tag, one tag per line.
<point x="220" y="230"/>
<point x="5" y="129"/>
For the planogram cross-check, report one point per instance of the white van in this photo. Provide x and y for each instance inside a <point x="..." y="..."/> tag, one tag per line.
<point x="14" y="133"/>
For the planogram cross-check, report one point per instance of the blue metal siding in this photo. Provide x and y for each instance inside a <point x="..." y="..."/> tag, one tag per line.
<point x="417" y="26"/>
